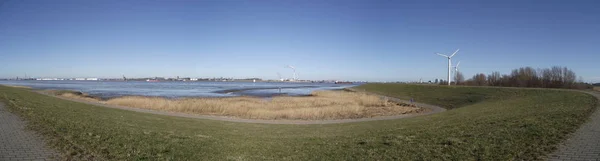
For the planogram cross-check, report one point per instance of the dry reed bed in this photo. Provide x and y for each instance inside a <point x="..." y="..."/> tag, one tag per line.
<point x="322" y="105"/>
<point x="17" y="86"/>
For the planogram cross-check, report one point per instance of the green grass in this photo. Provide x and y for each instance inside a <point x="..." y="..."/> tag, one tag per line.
<point x="491" y="124"/>
<point x="448" y="97"/>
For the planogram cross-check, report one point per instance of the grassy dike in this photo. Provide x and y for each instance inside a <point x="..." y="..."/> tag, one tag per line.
<point x="485" y="124"/>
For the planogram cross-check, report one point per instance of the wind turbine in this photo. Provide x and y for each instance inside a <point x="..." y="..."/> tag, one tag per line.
<point x="293" y="68"/>
<point x="456" y="68"/>
<point x="449" y="62"/>
<point x="456" y="71"/>
<point x="279" y="75"/>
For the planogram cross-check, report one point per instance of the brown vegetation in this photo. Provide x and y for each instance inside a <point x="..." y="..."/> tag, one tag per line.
<point x="321" y="105"/>
<point x="459" y="78"/>
<point x="16" y="86"/>
<point x="73" y="95"/>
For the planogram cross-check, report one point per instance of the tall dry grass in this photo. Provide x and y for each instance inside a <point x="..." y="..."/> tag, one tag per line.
<point x="597" y="88"/>
<point x="80" y="97"/>
<point x="17" y="86"/>
<point x="321" y="105"/>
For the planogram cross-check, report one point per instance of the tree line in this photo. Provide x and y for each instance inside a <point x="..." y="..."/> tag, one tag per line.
<point x="553" y="77"/>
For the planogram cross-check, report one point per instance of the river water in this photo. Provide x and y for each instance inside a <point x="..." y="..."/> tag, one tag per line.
<point x="175" y="89"/>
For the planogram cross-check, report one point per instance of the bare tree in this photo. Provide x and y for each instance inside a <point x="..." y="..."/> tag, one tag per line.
<point x="556" y="77"/>
<point x="553" y="77"/>
<point x="505" y="80"/>
<point x="443" y="82"/>
<point x="569" y="78"/>
<point x="546" y="77"/>
<point x="528" y="75"/>
<point x="479" y="79"/>
<point x="459" y="78"/>
<point x="494" y="79"/>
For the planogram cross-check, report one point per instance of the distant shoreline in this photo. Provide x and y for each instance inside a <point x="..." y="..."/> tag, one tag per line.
<point x="169" y="80"/>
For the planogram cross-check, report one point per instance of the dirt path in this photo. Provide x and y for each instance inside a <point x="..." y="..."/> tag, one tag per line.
<point x="431" y="110"/>
<point x="18" y="143"/>
<point x="584" y="144"/>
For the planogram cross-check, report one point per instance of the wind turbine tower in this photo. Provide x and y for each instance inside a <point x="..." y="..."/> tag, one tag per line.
<point x="294" y="69"/>
<point x="279" y="75"/>
<point x="449" y="63"/>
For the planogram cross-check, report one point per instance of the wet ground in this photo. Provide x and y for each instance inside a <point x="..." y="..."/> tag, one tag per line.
<point x="111" y="89"/>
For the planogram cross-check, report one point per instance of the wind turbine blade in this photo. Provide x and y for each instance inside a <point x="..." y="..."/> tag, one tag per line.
<point x="454" y="53"/>
<point x="457" y="64"/>
<point x="442" y="55"/>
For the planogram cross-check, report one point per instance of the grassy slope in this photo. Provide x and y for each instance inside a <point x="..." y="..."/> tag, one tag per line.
<point x="503" y="124"/>
<point x="444" y="96"/>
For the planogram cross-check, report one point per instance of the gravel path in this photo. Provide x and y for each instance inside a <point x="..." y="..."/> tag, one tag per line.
<point x="584" y="144"/>
<point x="18" y="143"/>
<point x="430" y="109"/>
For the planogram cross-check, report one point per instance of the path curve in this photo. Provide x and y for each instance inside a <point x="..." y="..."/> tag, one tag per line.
<point x="19" y="143"/>
<point x="584" y="144"/>
<point x="431" y="110"/>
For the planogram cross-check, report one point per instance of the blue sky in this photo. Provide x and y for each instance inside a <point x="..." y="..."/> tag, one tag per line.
<point x="351" y="40"/>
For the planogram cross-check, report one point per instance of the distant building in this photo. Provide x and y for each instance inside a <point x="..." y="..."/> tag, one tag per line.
<point x="51" y="79"/>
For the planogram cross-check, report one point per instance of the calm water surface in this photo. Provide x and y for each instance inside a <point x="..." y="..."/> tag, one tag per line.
<point x="109" y="89"/>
